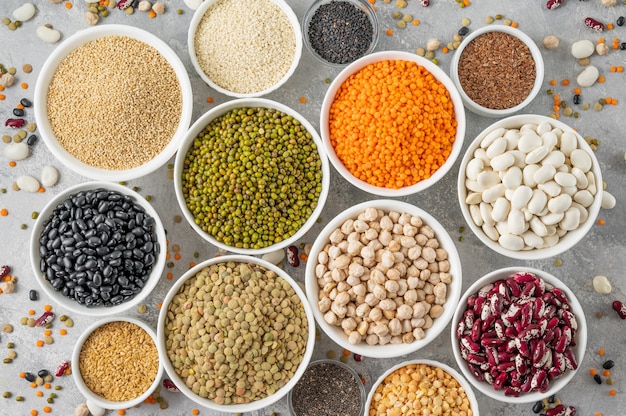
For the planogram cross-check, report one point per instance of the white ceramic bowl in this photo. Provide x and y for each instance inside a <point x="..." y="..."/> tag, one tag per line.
<point x="70" y="304"/>
<point x="45" y="77"/>
<point x="355" y="67"/>
<point x="197" y="128"/>
<point x="436" y="364"/>
<point x="336" y="333"/>
<point x="193" y="26"/>
<point x="80" y="383"/>
<point x="180" y="383"/>
<point x="580" y="338"/>
<point x="536" y="56"/>
<point x="361" y="4"/>
<point x="565" y="242"/>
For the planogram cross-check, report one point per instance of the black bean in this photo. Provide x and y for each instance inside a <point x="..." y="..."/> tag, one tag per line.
<point x="622" y="46"/>
<point x="597" y="379"/>
<point x="621" y="20"/>
<point x="608" y="364"/>
<point x="576" y="99"/>
<point x="43" y="373"/>
<point x="18" y="112"/>
<point x="538" y="406"/>
<point x="463" y="31"/>
<point x="30" y="377"/>
<point x="32" y="139"/>
<point x="552" y="399"/>
<point x="33" y="295"/>
<point x="26" y="102"/>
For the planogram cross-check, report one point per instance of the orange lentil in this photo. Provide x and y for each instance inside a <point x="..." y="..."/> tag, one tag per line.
<point x="47" y="308"/>
<point x="7" y="278"/>
<point x="302" y="100"/>
<point x="2" y="97"/>
<point x="389" y="32"/>
<point x="304" y="257"/>
<point x="606" y="373"/>
<point x="33" y="385"/>
<point x="1" y="87"/>
<point x="68" y="5"/>
<point x="620" y="68"/>
<point x="39" y="343"/>
<point x="576" y="90"/>
<point x="416" y="22"/>
<point x="34" y="412"/>
<point x="615" y="46"/>
<point x="612" y="392"/>
<point x="346" y="352"/>
<point x="371" y="1"/>
<point x="445" y="49"/>
<point x="41" y="190"/>
<point x="565" y="82"/>
<point x="24" y="85"/>
<point x="553" y="82"/>
<point x="613" y="69"/>
<point x="209" y="100"/>
<point x="169" y="276"/>
<point x="177" y="256"/>
<point x="20" y="106"/>
<point x="191" y="264"/>
<point x="68" y="371"/>
<point x="601" y="352"/>
<point x="47" y="409"/>
<point x="39" y="393"/>
<point x="31" y="312"/>
<point x="122" y="411"/>
<point x="47" y="386"/>
<point x="609" y="26"/>
<point x="601" y="40"/>
<point x="600" y="221"/>
<point x="152" y="14"/>
<point x="63" y="331"/>
<point x="399" y="112"/>
<point x="168" y="255"/>
<point x="159" y="305"/>
<point x="601" y="79"/>
<point x="466" y="3"/>
<point x="4" y="212"/>
<point x="514" y="24"/>
<point x="597" y="414"/>
<point x="195" y="412"/>
<point x="47" y="332"/>
<point x="23" y="374"/>
<point x="12" y="164"/>
<point x="593" y="372"/>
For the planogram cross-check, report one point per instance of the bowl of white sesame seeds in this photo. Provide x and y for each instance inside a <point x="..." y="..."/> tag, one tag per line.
<point x="113" y="102"/>
<point x="244" y="49"/>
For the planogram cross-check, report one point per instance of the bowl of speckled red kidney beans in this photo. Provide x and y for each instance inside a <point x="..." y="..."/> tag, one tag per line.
<point x="244" y="48"/>
<point x="113" y="102"/>
<point x="498" y="70"/>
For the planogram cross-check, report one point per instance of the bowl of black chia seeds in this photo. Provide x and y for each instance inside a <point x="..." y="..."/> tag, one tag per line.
<point x="251" y="176"/>
<point x="328" y="387"/>
<point x="98" y="248"/>
<point x="244" y="48"/>
<point x="338" y="32"/>
<point x="112" y="102"/>
<point x="498" y="70"/>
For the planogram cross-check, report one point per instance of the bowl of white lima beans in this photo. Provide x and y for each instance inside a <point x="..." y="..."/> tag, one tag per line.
<point x="529" y="187"/>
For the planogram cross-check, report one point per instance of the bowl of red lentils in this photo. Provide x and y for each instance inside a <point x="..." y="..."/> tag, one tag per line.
<point x="244" y="49"/>
<point x="392" y="123"/>
<point x="383" y="278"/>
<point x="251" y="176"/>
<point x="498" y="70"/>
<point x="424" y="387"/>
<point x="519" y="334"/>
<point x="115" y="362"/>
<point x="113" y="102"/>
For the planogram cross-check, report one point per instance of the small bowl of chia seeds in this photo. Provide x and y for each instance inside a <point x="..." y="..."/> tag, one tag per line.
<point x="498" y="71"/>
<point x="338" y="32"/>
<point x="328" y="387"/>
<point x="98" y="248"/>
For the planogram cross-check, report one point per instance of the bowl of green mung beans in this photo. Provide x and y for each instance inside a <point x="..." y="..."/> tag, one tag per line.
<point x="251" y="176"/>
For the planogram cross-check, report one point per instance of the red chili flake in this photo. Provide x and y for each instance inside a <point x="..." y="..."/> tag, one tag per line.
<point x="45" y="319"/>
<point x="594" y="24"/>
<point x="60" y="370"/>
<point x="15" y="123"/>
<point x="4" y="271"/>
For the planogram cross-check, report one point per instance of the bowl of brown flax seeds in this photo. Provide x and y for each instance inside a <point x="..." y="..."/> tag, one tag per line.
<point x="113" y="102"/>
<point x="498" y="70"/>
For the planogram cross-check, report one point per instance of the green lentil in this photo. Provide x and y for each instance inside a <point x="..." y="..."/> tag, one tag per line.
<point x="6" y="138"/>
<point x="50" y="400"/>
<point x="489" y="20"/>
<point x="396" y="15"/>
<point x="558" y="262"/>
<point x="11" y="354"/>
<point x="498" y="17"/>
<point x="597" y="106"/>
<point x="31" y="127"/>
<point x="327" y="80"/>
<point x="568" y="111"/>
<point x="609" y="381"/>
<point x="34" y="215"/>
<point x="6" y="21"/>
<point x="7" y="360"/>
<point x="23" y="226"/>
<point x="179" y="11"/>
<point x="507" y="22"/>
<point x="19" y="399"/>
<point x="48" y="378"/>
<point x="252" y="177"/>
<point x="12" y="70"/>
<point x="344" y="359"/>
<point x="420" y="51"/>
<point x="58" y="387"/>
<point x="429" y="55"/>
<point x="10" y="345"/>
<point x="148" y="198"/>
<point x="6" y="394"/>
<point x="129" y="10"/>
<point x="331" y="354"/>
<point x="69" y="322"/>
<point x="465" y="21"/>
<point x="142" y="308"/>
<point x="401" y="24"/>
<point x="63" y="318"/>
<point x="407" y="18"/>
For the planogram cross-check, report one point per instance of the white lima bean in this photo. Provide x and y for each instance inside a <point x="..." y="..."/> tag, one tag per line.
<point x="533" y="192"/>
<point x="390" y="290"/>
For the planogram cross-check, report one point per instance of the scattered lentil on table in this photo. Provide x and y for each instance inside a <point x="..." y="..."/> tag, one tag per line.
<point x="245" y="47"/>
<point x="252" y="177"/>
<point x="94" y="99"/>
<point x="392" y="124"/>
<point x="496" y="70"/>
<point x="340" y="31"/>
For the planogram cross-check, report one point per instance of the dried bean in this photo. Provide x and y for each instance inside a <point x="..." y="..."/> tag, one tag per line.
<point x="26" y="102"/>
<point x="44" y="319"/>
<point x="60" y="370"/>
<point x="620" y="21"/>
<point x="608" y="364"/>
<point x="18" y="112"/>
<point x="594" y="24"/>
<point x="553" y="4"/>
<point x="292" y="256"/>
<point x="620" y="308"/>
<point x="4" y="271"/>
<point x="15" y="123"/>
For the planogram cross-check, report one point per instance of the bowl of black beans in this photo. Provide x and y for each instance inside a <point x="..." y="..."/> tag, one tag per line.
<point x="338" y="32"/>
<point x="98" y="248"/>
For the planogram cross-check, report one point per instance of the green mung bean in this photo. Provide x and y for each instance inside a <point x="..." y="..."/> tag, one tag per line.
<point x="252" y="177"/>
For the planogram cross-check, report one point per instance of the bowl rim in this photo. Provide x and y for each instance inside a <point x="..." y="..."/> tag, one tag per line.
<point x="201" y="123"/>
<point x="442" y="77"/>
<point x="48" y="70"/>
<point x="581" y="334"/>
<point x="308" y="15"/>
<point x="567" y="241"/>
<point x="448" y="369"/>
<point x="99" y="310"/>
<point x="78" y="379"/>
<point x="453" y="292"/>
<point x="193" y="25"/>
<point x="258" y="404"/>
<point x="344" y="366"/>
<point x="537" y="58"/>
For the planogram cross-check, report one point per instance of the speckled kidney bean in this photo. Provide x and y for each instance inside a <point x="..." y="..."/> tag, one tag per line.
<point x="620" y="308"/>
<point x="553" y="4"/>
<point x="98" y="247"/>
<point x="594" y="24"/>
<point x="4" y="271"/>
<point x="516" y="334"/>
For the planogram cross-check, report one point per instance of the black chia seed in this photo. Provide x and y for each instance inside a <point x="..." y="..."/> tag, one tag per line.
<point x="340" y="32"/>
<point x="326" y="389"/>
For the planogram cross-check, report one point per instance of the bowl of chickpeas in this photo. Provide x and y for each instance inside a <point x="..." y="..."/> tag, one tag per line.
<point x="383" y="278"/>
<point x="438" y="385"/>
<point x="235" y="333"/>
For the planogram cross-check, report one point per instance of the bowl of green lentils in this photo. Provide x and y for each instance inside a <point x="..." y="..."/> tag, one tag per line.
<point x="235" y="333"/>
<point x="251" y="176"/>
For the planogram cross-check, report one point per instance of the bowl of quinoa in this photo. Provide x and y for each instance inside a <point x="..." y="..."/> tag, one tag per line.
<point x="498" y="70"/>
<point x="392" y="123"/>
<point x="235" y="333"/>
<point x="244" y="49"/>
<point x="424" y="387"/>
<point x="112" y="102"/>
<point x="251" y="176"/>
<point x="115" y="362"/>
